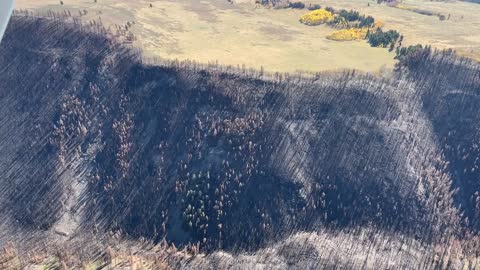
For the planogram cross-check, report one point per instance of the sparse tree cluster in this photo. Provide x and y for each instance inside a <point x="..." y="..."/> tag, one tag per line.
<point x="379" y="38"/>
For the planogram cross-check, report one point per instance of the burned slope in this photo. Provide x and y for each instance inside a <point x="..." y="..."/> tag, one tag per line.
<point x="44" y="73"/>
<point x="450" y="89"/>
<point x="92" y="139"/>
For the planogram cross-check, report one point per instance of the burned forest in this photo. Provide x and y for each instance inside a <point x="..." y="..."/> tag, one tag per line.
<point x="208" y="167"/>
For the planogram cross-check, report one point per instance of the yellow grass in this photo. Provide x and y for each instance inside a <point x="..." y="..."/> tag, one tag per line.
<point x="209" y="31"/>
<point x="404" y="7"/>
<point x="241" y="34"/>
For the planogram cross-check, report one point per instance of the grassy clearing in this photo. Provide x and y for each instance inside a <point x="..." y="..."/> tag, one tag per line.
<point x="460" y="32"/>
<point x="243" y="34"/>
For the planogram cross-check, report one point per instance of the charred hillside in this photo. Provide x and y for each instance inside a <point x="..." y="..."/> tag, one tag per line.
<point x="93" y="139"/>
<point x="450" y="93"/>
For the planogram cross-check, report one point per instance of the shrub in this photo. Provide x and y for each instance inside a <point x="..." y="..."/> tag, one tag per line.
<point x="299" y="5"/>
<point x="349" y="34"/>
<point x="330" y="9"/>
<point x="317" y="17"/>
<point x="349" y="19"/>
<point x="314" y="7"/>
<point x="368" y="21"/>
<point x="404" y="52"/>
<point x="411" y="56"/>
<point x="273" y="3"/>
<point x="350" y="16"/>
<point x="339" y="21"/>
<point x="383" y="39"/>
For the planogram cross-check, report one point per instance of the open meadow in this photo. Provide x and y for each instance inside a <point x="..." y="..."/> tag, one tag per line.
<point x="460" y="31"/>
<point x="243" y="33"/>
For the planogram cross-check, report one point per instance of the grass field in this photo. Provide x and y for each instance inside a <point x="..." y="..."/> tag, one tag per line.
<point x="243" y="34"/>
<point x="461" y="32"/>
